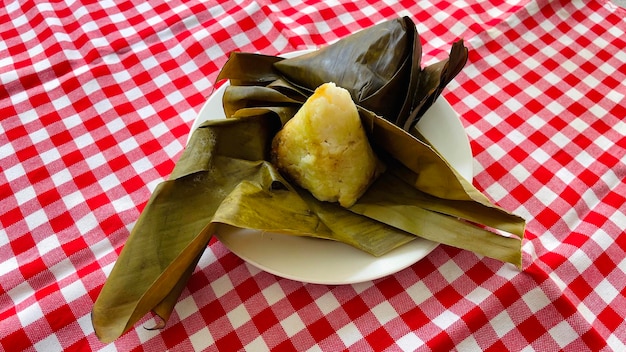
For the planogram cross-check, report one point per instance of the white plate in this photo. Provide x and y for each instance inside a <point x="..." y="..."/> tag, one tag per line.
<point x="328" y="262"/>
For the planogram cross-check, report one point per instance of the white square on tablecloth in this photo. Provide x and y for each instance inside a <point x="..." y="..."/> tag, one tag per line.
<point x="133" y="94"/>
<point x="622" y="265"/>
<point x="199" y="34"/>
<point x="560" y="140"/>
<point x="445" y="319"/>
<point x="101" y="249"/>
<point x="450" y="271"/>
<point x="241" y="40"/>
<point x="598" y="111"/>
<point x="615" y="96"/>
<point x="563" y="334"/>
<point x="218" y="11"/>
<point x="18" y="97"/>
<point x="492" y="118"/>
<point x="70" y="200"/>
<point x="73" y="291"/>
<point x="4" y="240"/>
<point x="12" y="6"/>
<point x="25" y="195"/>
<point x="62" y="269"/>
<point x="61" y="102"/>
<point x="516" y="137"/>
<point x="502" y="323"/>
<point x="142" y="165"/>
<point x="496" y="151"/>
<point x="565" y="176"/>
<point x="48" y="244"/>
<point x="201" y="339"/>
<point x="536" y="300"/>
<point x="474" y="133"/>
<point x="175" y="97"/>
<point x="580" y="260"/>
<point x="540" y="156"/>
<point x="555" y="108"/>
<point x="532" y="64"/>
<point x="39" y="136"/>
<point x="103" y="106"/>
<point x="30" y="314"/>
<point x="419" y="292"/>
<point x="478" y="295"/>
<point x="128" y="32"/>
<point x="350" y="334"/>
<point x="128" y="145"/>
<point x="273" y="293"/>
<point x="497" y="192"/>
<point x="409" y="342"/>
<point x="221" y="286"/>
<point x="159" y="129"/>
<point x="8" y="265"/>
<point x="579" y="125"/>
<point x="20" y="293"/>
<point x="186" y="307"/>
<point x="292" y="324"/>
<point x="146" y="112"/>
<point x="257" y="344"/>
<point x="155" y="20"/>
<point x="72" y="121"/>
<point x="549" y="242"/>
<point x="574" y="94"/>
<point x="95" y="161"/>
<point x="50" y="343"/>
<point x="202" y="83"/>
<point x="384" y="312"/>
<point x="513" y="104"/>
<point x="606" y="291"/>
<point x="88" y="223"/>
<point x="143" y="7"/>
<point x="327" y="303"/>
<point x="50" y="155"/>
<point x="121" y="76"/>
<point x="585" y="159"/>
<point x="149" y="62"/>
<point x="36" y="219"/>
<point x="238" y="316"/>
<point x="85" y="324"/>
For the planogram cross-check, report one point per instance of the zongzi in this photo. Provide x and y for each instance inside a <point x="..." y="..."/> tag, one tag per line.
<point x="324" y="148"/>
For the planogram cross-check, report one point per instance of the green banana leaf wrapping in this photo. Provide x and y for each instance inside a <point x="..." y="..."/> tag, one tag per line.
<point x="224" y="177"/>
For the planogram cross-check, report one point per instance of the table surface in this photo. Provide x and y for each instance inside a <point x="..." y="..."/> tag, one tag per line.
<point x="97" y="100"/>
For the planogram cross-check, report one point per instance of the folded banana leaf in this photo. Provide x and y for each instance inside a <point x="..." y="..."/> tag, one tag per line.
<point x="224" y="177"/>
<point x="433" y="79"/>
<point x="380" y="67"/>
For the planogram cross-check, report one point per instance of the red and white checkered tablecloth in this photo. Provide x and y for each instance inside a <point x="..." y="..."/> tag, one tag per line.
<point x="97" y="99"/>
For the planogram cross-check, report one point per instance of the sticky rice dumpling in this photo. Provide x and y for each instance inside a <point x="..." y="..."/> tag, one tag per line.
<point x="325" y="149"/>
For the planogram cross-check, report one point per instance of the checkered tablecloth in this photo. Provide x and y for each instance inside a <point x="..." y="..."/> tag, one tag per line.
<point x="96" y="102"/>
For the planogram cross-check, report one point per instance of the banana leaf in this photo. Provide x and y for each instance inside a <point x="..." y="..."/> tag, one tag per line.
<point x="454" y="223"/>
<point x="433" y="79"/>
<point x="224" y="178"/>
<point x="174" y="228"/>
<point x="379" y="66"/>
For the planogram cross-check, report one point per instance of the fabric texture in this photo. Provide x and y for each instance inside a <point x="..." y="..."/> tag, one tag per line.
<point x="97" y="100"/>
